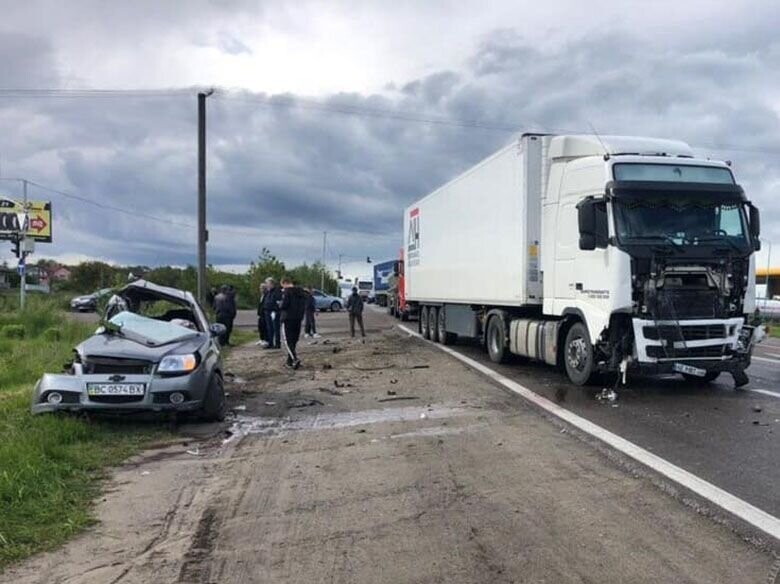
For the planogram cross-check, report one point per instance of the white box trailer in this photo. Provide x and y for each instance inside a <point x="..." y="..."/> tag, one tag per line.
<point x="595" y="253"/>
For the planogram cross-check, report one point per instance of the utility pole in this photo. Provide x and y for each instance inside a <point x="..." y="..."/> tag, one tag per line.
<point x="324" y="243"/>
<point x="203" y="234"/>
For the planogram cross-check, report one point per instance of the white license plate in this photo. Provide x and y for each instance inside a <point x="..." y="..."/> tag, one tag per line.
<point x="116" y="388"/>
<point x="689" y="369"/>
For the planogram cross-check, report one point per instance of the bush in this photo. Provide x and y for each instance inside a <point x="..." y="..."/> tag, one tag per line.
<point x="52" y="334"/>
<point x="12" y="331"/>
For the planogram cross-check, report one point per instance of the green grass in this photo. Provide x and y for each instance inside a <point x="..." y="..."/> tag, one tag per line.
<point x="50" y="466"/>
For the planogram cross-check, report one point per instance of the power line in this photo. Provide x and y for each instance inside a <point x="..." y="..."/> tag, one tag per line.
<point x="344" y="109"/>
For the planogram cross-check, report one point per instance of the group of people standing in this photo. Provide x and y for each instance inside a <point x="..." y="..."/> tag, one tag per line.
<point x="282" y="310"/>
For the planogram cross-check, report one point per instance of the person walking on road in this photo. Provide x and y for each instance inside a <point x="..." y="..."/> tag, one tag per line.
<point x="225" y="308"/>
<point x="355" y="310"/>
<point x="310" y="325"/>
<point x="271" y="303"/>
<point x="293" y="308"/>
<point x="261" y="331"/>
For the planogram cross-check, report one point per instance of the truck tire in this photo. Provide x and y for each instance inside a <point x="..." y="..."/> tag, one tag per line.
<point x="578" y="357"/>
<point x="495" y="340"/>
<point x="214" y="405"/>
<point x="425" y="325"/>
<point x="404" y="316"/>
<point x="708" y="377"/>
<point x="445" y="338"/>
<point x="433" y="323"/>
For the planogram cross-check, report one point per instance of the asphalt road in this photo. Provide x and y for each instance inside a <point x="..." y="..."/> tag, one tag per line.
<point x="386" y="460"/>
<point x="727" y="437"/>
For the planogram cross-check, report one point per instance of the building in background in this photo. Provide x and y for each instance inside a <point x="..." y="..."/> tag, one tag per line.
<point x="767" y="286"/>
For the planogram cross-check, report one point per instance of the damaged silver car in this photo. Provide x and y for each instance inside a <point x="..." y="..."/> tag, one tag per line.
<point x="154" y="351"/>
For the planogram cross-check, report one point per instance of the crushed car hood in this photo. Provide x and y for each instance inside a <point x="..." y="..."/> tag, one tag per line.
<point x="110" y="345"/>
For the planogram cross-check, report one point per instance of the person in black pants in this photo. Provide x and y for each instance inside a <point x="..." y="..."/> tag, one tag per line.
<point x="293" y="307"/>
<point x="271" y="312"/>
<point x="310" y="325"/>
<point x="355" y="310"/>
<point x="261" y="332"/>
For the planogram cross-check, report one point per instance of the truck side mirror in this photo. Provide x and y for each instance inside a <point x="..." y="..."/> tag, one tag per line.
<point x="592" y="219"/>
<point x="755" y="226"/>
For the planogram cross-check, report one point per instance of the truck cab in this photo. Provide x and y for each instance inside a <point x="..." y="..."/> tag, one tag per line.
<point x="651" y="250"/>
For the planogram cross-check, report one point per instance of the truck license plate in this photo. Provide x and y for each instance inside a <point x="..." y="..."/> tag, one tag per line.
<point x="689" y="369"/>
<point x="115" y="388"/>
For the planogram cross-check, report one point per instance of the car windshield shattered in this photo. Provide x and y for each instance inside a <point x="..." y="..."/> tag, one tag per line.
<point x="151" y="330"/>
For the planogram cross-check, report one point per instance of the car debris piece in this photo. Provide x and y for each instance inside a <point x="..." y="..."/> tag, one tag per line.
<point x="758" y="409"/>
<point x="420" y="367"/>
<point x="305" y="403"/>
<point x="330" y="390"/>
<point x="327" y="365"/>
<point x="240" y="408"/>
<point x="194" y="452"/>
<point x="391" y="392"/>
<point x="393" y="381"/>
<point x="607" y="394"/>
<point x="270" y="403"/>
<point x="397" y="398"/>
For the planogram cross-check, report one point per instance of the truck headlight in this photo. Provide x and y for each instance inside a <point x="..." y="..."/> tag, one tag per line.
<point x="178" y="364"/>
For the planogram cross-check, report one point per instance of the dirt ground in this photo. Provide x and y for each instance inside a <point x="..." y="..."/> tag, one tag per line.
<point x="386" y="462"/>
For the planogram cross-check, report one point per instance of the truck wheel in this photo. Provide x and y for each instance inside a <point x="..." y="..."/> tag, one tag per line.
<point x="433" y="323"/>
<point x="445" y="338"/>
<point x="708" y="377"/>
<point x="496" y="340"/>
<point x="404" y="316"/>
<point x="578" y="355"/>
<point x="425" y="325"/>
<point x="214" y="406"/>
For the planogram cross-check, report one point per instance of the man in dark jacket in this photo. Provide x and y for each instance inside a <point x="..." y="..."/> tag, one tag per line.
<point x="355" y="310"/>
<point x="261" y="332"/>
<point x="293" y="308"/>
<point x="225" y="308"/>
<point x="271" y="303"/>
<point x="310" y="325"/>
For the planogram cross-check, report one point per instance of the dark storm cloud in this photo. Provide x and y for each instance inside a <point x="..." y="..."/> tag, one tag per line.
<point x="282" y="169"/>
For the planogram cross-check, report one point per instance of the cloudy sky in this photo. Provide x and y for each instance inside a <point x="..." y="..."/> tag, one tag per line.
<point x="332" y="116"/>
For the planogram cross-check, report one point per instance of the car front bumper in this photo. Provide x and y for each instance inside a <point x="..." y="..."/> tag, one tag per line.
<point x="156" y="397"/>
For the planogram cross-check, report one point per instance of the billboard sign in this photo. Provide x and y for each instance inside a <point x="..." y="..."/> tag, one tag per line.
<point x="12" y="215"/>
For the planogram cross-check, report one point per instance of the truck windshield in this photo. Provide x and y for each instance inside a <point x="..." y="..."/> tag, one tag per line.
<point x="687" y="224"/>
<point x="672" y="173"/>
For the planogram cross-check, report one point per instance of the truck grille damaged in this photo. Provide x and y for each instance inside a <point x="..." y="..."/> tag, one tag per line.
<point x="658" y="341"/>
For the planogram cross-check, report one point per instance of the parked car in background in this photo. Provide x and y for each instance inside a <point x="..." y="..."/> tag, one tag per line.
<point x="154" y="352"/>
<point x="327" y="302"/>
<point x="88" y="302"/>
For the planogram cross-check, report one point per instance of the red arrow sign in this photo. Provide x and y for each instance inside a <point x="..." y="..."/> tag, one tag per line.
<point x="38" y="223"/>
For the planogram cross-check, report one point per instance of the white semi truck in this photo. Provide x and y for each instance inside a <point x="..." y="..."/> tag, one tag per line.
<point x="597" y="254"/>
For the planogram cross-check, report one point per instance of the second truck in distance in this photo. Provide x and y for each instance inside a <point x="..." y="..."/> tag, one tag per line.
<point x="599" y="254"/>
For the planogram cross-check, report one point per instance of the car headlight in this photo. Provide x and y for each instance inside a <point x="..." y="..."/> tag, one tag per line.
<point x="178" y="364"/>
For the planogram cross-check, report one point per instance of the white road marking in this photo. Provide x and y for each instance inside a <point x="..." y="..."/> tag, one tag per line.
<point x="766" y="392"/>
<point x="759" y="519"/>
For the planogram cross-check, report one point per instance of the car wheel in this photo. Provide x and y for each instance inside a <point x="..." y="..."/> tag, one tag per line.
<point x="578" y="356"/>
<point x="433" y="323"/>
<point x="445" y="338"/>
<point x="214" y="405"/>
<point x="335" y="306"/>
<point x="425" y="325"/>
<point x="496" y="340"/>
